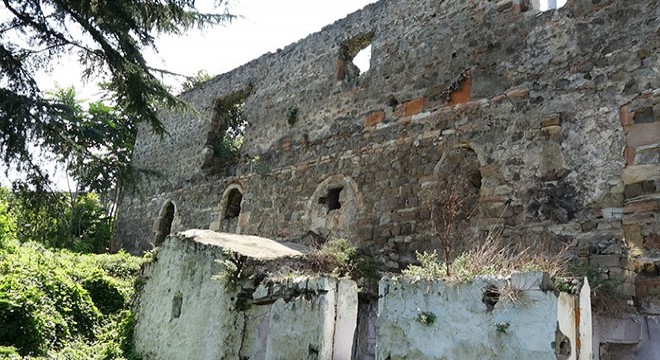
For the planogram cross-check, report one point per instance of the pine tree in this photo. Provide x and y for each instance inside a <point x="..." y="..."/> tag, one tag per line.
<point x="108" y="38"/>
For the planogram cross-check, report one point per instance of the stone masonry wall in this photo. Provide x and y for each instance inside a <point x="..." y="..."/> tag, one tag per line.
<point x="549" y="117"/>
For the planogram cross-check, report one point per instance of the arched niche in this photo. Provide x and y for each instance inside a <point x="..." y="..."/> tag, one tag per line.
<point x="454" y="187"/>
<point x="230" y="208"/>
<point x="333" y="208"/>
<point x="461" y="162"/>
<point x="163" y="223"/>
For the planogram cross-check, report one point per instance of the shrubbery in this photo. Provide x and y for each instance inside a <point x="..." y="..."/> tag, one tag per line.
<point x="59" y="304"/>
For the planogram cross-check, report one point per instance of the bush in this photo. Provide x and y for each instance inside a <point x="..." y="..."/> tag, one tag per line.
<point x="41" y="307"/>
<point x="7" y="218"/>
<point x="63" y="305"/>
<point x="56" y="220"/>
<point x="105" y="292"/>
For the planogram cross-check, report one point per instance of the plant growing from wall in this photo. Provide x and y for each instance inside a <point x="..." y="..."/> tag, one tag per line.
<point x="425" y="317"/>
<point x="292" y="115"/>
<point x="450" y="217"/>
<point x="260" y="167"/>
<point x="228" y="124"/>
<point x="502" y="326"/>
<point x="341" y="258"/>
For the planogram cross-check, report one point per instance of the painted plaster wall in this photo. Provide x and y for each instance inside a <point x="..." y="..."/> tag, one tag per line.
<point x="466" y="328"/>
<point x="315" y="317"/>
<point x="302" y="318"/>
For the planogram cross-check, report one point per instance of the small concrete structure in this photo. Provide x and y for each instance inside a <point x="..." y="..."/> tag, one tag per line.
<point x="203" y="299"/>
<point x="488" y="318"/>
<point x="211" y="295"/>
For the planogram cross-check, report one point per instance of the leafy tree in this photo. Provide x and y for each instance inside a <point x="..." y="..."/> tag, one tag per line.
<point x="7" y="217"/>
<point x="78" y="223"/>
<point x="100" y="143"/>
<point x="108" y="37"/>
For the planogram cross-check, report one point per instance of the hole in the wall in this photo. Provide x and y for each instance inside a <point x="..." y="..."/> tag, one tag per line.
<point x="363" y="59"/>
<point x="167" y="217"/>
<point x="233" y="208"/>
<point x="645" y="115"/>
<point x="354" y="57"/>
<point x="228" y="124"/>
<point x="177" y="301"/>
<point x="490" y="297"/>
<point x="561" y="345"/>
<point x="545" y="5"/>
<point x="332" y="199"/>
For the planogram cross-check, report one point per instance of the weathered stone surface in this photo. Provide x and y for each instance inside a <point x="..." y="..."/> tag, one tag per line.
<point x="556" y="120"/>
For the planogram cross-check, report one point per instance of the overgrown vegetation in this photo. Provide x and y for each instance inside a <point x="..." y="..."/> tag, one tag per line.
<point x="107" y="39"/>
<point x="341" y="258"/>
<point x="196" y="80"/>
<point x="605" y="299"/>
<point x="492" y="257"/>
<point x="228" y="125"/>
<point x="77" y="222"/>
<point x="56" y="304"/>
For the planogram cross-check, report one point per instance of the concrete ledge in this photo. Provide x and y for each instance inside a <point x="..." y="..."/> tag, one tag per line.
<point x="249" y="245"/>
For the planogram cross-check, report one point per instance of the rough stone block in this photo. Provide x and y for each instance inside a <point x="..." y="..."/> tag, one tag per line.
<point x="619" y="331"/>
<point x="647" y="286"/>
<point x="652" y="241"/>
<point x="633" y="235"/>
<point x="629" y="155"/>
<point x="605" y="260"/>
<point x="413" y="107"/>
<point x="261" y="292"/>
<point x="642" y="206"/>
<point x="625" y="116"/>
<point x="644" y="116"/>
<point x="637" y="173"/>
<point x="643" y="134"/>
<point x="518" y="92"/>
<point x="374" y="118"/>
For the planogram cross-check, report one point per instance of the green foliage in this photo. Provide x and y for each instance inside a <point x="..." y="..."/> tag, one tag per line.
<point x="227" y="149"/>
<point x="502" y="326"/>
<point x="7" y="218"/>
<point x="79" y="223"/>
<point x="94" y="141"/>
<point x="105" y="292"/>
<point x="492" y="256"/>
<point x="429" y="266"/>
<point x="426" y="317"/>
<point x="599" y="284"/>
<point x="63" y="305"/>
<point x="108" y="38"/>
<point x="229" y="123"/>
<point x="292" y="115"/>
<point x="341" y="250"/>
<point x="41" y="306"/>
<point x="196" y="80"/>
<point x="341" y="258"/>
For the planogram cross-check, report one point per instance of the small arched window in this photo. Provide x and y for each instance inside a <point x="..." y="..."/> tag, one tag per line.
<point x="165" y="219"/>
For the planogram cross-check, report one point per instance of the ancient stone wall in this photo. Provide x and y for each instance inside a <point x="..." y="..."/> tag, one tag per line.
<point x="549" y="118"/>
